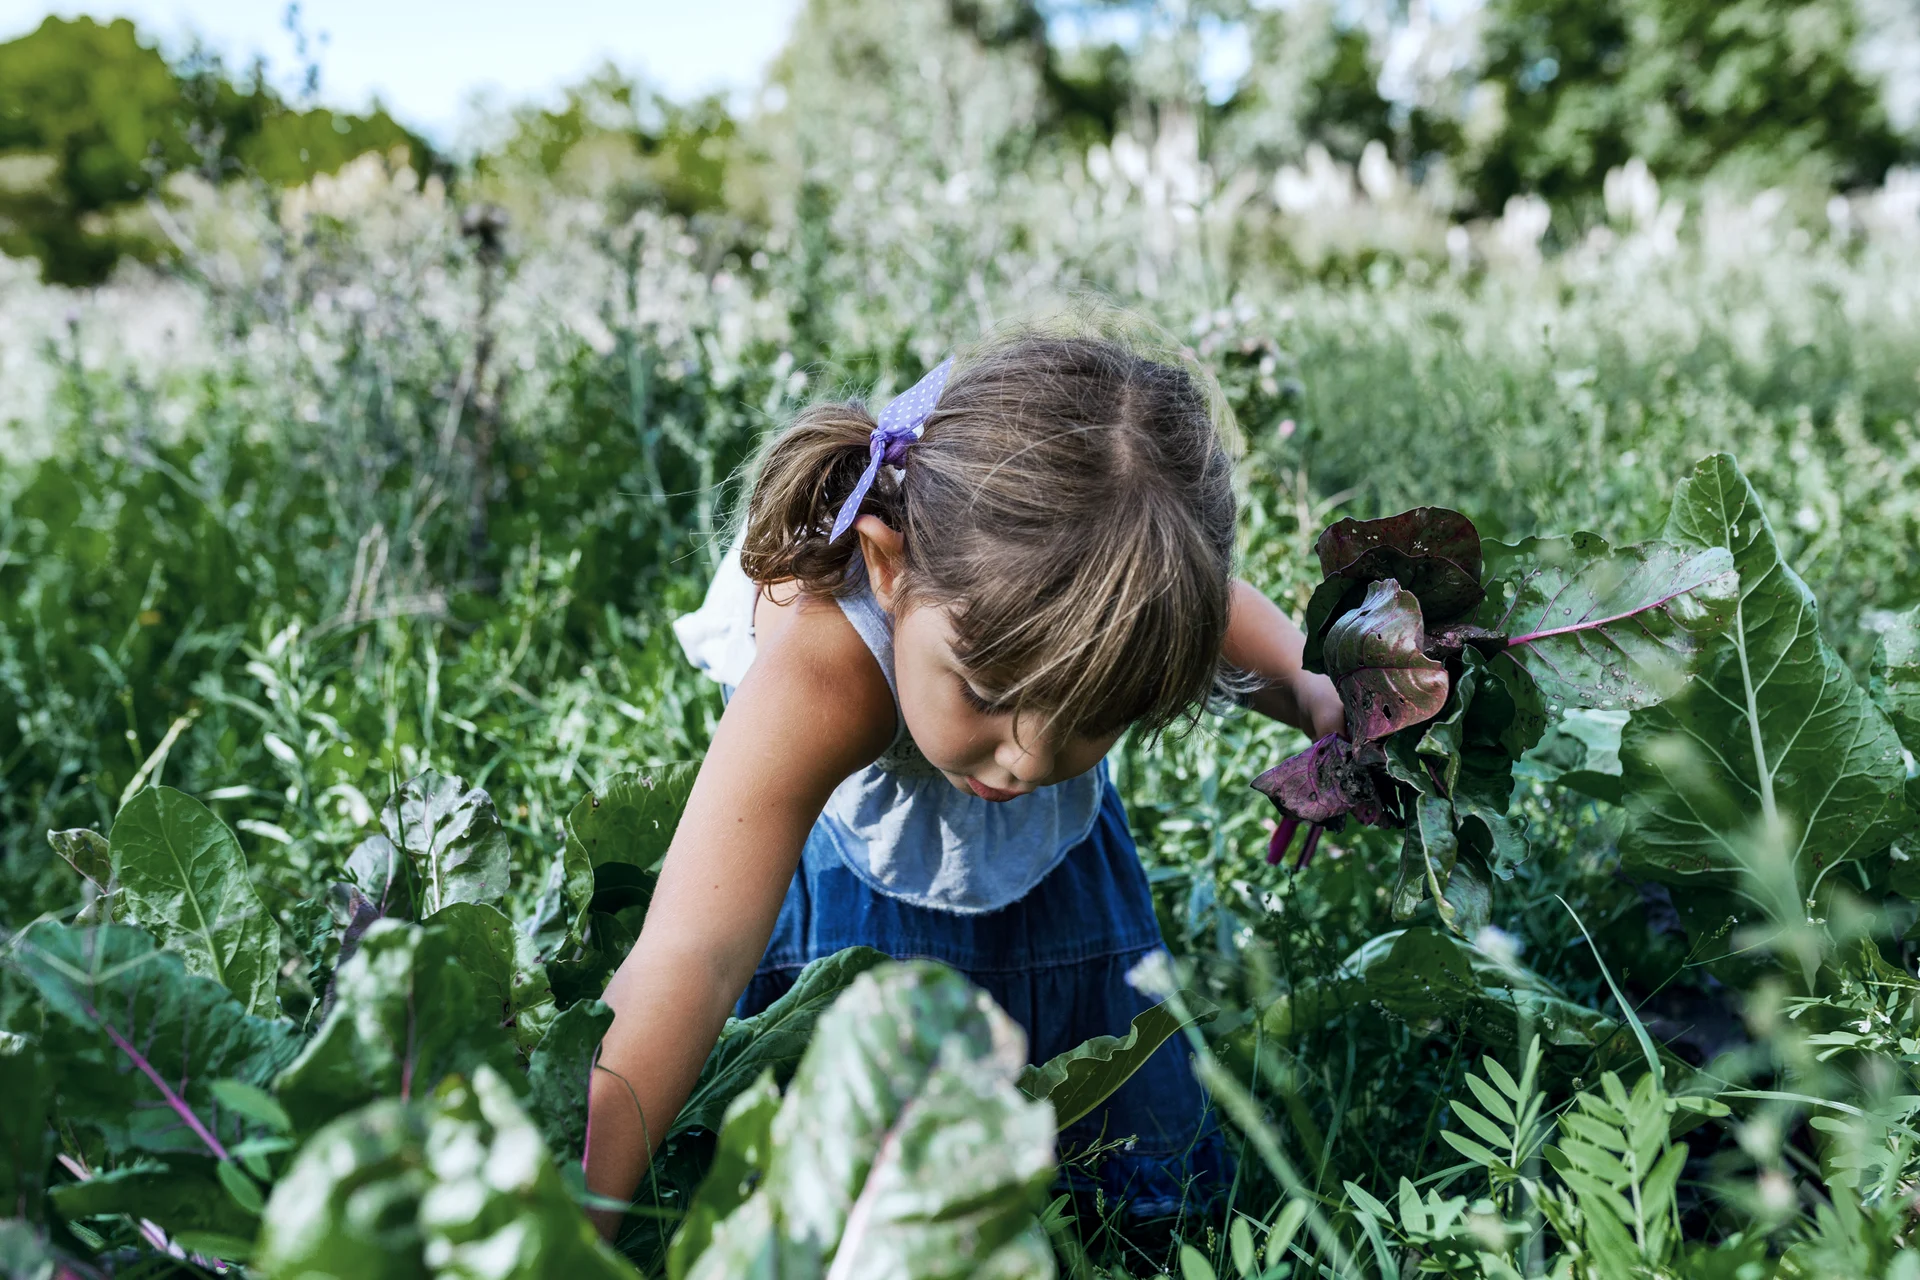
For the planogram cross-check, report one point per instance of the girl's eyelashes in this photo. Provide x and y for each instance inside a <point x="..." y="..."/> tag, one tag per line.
<point x="972" y="697"/>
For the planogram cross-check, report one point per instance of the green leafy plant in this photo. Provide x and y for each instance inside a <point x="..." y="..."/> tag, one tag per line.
<point x="444" y="1079"/>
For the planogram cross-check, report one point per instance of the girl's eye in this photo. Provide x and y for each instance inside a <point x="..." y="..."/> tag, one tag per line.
<point x="972" y="697"/>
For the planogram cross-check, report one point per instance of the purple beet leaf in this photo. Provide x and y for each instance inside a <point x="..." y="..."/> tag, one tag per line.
<point x="1322" y="785"/>
<point x="1431" y="551"/>
<point x="1423" y="531"/>
<point x="1375" y="656"/>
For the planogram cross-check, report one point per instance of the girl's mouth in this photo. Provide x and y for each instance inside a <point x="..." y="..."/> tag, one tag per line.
<point x="994" y="794"/>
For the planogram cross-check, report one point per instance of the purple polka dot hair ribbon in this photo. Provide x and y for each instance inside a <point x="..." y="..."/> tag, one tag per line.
<point x="898" y="426"/>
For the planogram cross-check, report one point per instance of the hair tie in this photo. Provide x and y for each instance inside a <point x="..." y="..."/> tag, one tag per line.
<point x="898" y="426"/>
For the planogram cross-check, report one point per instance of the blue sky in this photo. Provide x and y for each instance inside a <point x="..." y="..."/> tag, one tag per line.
<point x="425" y="58"/>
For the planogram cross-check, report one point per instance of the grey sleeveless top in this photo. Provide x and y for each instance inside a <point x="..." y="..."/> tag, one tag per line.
<point x="898" y="824"/>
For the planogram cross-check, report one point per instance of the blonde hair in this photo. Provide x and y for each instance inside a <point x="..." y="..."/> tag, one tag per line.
<point x="1070" y="502"/>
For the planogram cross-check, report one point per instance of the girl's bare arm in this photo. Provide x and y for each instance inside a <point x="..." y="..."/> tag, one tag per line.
<point x="811" y="710"/>
<point x="1263" y="641"/>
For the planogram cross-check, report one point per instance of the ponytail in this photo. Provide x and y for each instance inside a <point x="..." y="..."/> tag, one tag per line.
<point x="803" y="477"/>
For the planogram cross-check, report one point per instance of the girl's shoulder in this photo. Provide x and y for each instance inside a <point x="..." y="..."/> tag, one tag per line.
<point x="809" y="662"/>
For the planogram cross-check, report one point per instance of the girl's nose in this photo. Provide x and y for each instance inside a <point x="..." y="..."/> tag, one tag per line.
<point x="1030" y="762"/>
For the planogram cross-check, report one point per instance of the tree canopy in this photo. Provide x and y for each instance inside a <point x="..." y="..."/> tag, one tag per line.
<point x="92" y="119"/>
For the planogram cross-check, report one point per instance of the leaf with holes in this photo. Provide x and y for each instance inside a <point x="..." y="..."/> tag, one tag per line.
<point x="1374" y="657"/>
<point x="1323" y="784"/>
<point x="1431" y="551"/>
<point x="87" y="852"/>
<point x="558" y="1073"/>
<point x="1599" y="627"/>
<point x="182" y="877"/>
<point x="1773" y="738"/>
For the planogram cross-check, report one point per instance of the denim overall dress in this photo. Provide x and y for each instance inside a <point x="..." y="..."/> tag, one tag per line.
<point x="1041" y="901"/>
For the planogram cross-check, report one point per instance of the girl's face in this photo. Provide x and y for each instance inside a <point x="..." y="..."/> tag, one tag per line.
<point x="978" y="747"/>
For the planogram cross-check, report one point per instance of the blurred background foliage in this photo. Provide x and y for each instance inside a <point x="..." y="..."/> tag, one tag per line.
<point x="92" y="119"/>
<point x="1507" y="98"/>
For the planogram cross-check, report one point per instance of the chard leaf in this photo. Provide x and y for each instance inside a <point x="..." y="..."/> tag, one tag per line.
<point x="630" y="820"/>
<point x="456" y="1184"/>
<point x="182" y="877"/>
<point x="1471" y="743"/>
<point x="1582" y="753"/>
<point x="1083" y="1077"/>
<point x="1323" y="784"/>
<point x="903" y="1147"/>
<point x="25" y="1253"/>
<point x="1428" y="854"/>
<point x="26" y="1137"/>
<point x="1598" y="627"/>
<point x="1421" y="974"/>
<point x="450" y="834"/>
<point x="140" y="1041"/>
<point x="775" y="1038"/>
<point x="384" y="877"/>
<point x="1431" y="551"/>
<point x="1895" y="689"/>
<point x="739" y="1162"/>
<point x="497" y="1205"/>
<point x="501" y="961"/>
<point x="558" y="1075"/>
<point x="1773" y="742"/>
<point x="414" y="1004"/>
<point x="86" y="852"/>
<point x="551" y="920"/>
<point x="1374" y="656"/>
<point x="349" y="1203"/>
<point x="957" y="1181"/>
<point x="184" y="1194"/>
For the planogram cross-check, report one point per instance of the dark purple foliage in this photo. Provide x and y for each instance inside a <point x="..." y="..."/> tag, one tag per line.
<point x="1376" y="657"/>
<point x="1423" y="532"/>
<point x="1324" y="783"/>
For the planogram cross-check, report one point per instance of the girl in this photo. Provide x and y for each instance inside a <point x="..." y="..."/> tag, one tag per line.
<point x="935" y="627"/>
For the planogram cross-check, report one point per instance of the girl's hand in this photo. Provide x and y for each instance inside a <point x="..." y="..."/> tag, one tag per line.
<point x="1318" y="694"/>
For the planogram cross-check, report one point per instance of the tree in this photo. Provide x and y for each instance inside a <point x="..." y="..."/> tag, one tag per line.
<point x="1761" y="89"/>
<point x="92" y="120"/>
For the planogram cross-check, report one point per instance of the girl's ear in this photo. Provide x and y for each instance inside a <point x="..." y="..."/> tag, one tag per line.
<point x="885" y="551"/>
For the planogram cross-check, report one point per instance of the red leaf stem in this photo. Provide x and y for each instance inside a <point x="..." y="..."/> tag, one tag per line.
<point x="1282" y="837"/>
<point x="173" y="1099"/>
<point x="1307" y="847"/>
